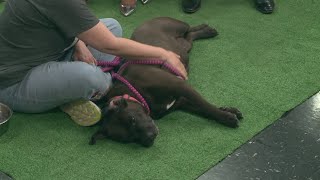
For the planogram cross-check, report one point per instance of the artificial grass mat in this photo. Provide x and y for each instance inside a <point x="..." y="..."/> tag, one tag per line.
<point x="262" y="64"/>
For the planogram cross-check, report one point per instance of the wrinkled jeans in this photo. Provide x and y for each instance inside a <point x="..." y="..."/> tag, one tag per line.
<point x="58" y="82"/>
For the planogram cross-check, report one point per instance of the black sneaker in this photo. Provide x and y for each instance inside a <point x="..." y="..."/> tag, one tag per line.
<point x="265" y="6"/>
<point x="191" y="6"/>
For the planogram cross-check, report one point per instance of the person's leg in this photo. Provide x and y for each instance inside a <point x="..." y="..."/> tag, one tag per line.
<point x="76" y="108"/>
<point x="53" y="84"/>
<point x="116" y="29"/>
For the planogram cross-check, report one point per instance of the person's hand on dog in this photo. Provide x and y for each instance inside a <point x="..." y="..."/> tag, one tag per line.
<point x="82" y="53"/>
<point x="174" y="60"/>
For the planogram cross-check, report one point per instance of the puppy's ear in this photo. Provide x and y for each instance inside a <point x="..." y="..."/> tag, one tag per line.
<point x="117" y="104"/>
<point x="96" y="136"/>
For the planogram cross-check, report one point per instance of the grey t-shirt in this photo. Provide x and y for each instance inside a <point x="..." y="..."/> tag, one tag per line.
<point x="33" y="32"/>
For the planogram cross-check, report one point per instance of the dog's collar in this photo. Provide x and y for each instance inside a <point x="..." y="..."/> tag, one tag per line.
<point x="128" y="97"/>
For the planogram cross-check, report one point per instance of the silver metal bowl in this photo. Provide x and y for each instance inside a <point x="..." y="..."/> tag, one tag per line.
<point x="5" y="115"/>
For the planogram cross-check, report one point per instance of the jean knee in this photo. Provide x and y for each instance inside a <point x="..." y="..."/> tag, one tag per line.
<point x="113" y="25"/>
<point x="91" y="77"/>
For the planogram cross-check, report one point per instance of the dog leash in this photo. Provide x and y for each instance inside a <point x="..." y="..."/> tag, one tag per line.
<point x="134" y="90"/>
<point x="151" y="62"/>
<point x="108" y="66"/>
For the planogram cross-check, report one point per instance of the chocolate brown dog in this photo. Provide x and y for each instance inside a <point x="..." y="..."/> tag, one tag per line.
<point x="127" y="120"/>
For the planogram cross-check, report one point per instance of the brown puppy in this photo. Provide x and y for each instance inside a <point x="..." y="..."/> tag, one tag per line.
<point x="127" y="120"/>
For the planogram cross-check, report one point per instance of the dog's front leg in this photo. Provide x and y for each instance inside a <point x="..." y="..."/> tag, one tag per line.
<point x="191" y="101"/>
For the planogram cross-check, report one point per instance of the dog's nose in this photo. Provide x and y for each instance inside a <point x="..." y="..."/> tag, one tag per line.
<point x="151" y="135"/>
<point x="149" y="139"/>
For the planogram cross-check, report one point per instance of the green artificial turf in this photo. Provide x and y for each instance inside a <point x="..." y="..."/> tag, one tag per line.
<point x="263" y="64"/>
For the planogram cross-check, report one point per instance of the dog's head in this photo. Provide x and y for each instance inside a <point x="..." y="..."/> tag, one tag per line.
<point x="126" y="120"/>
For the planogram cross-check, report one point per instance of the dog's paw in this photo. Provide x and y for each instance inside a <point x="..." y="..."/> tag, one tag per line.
<point x="211" y="32"/>
<point x="233" y="111"/>
<point x="229" y="119"/>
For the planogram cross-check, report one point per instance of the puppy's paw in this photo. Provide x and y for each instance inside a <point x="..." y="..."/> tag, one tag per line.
<point x="233" y="111"/>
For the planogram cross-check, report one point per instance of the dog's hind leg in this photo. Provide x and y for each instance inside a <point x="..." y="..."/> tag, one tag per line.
<point x="197" y="28"/>
<point x="202" y="31"/>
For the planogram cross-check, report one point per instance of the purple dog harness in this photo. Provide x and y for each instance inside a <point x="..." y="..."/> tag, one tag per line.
<point x="107" y="66"/>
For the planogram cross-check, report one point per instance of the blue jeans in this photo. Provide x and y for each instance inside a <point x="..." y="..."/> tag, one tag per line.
<point x="58" y="82"/>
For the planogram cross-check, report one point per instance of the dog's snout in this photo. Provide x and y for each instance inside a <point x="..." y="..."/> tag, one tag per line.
<point x="149" y="137"/>
<point x="152" y="135"/>
<point x="153" y="131"/>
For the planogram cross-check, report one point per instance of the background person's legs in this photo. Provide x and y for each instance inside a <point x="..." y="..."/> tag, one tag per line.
<point x="264" y="6"/>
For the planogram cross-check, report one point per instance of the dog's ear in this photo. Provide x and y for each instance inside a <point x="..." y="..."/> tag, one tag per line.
<point x="96" y="136"/>
<point x="117" y="104"/>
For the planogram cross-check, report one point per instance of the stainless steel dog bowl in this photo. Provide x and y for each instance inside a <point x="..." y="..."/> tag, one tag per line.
<point x="5" y="115"/>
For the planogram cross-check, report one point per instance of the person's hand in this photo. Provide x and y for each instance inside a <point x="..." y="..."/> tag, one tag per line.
<point x="174" y="60"/>
<point x="82" y="53"/>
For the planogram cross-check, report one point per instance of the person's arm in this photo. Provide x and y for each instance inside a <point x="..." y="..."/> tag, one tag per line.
<point x="100" y="38"/>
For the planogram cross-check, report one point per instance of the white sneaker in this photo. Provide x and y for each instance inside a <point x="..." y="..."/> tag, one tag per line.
<point x="83" y="112"/>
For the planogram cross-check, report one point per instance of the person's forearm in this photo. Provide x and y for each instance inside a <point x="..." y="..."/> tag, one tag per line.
<point x="135" y="50"/>
<point x="100" y="38"/>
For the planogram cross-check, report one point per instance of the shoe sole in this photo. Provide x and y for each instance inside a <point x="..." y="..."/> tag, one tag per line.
<point x="83" y="112"/>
